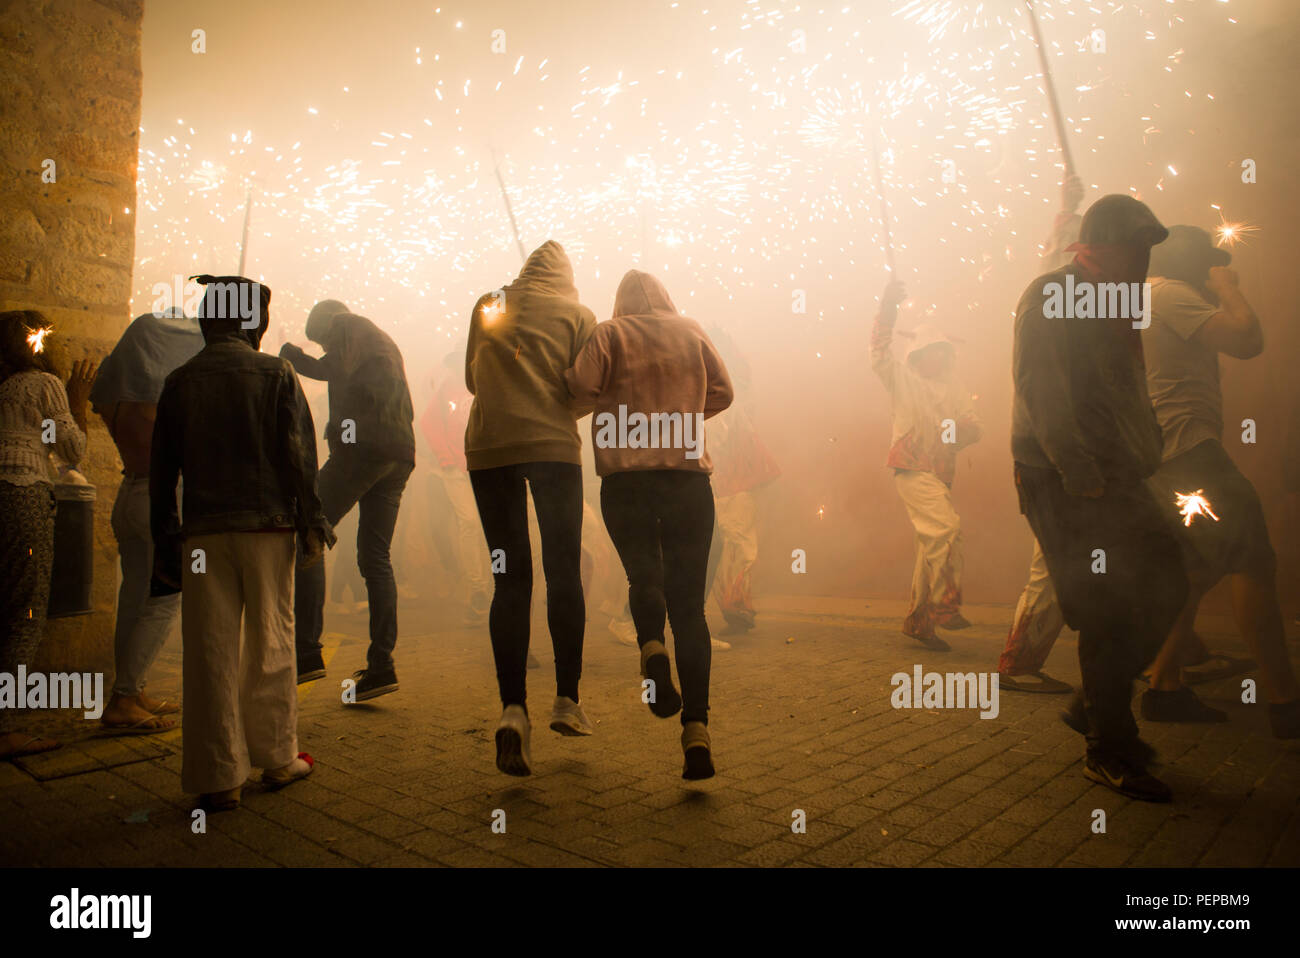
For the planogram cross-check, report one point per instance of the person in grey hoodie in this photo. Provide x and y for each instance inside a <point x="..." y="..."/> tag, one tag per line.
<point x="654" y="377"/>
<point x="372" y="453"/>
<point x="1085" y="438"/>
<point x="523" y="434"/>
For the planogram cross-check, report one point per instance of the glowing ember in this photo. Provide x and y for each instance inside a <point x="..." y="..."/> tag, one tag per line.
<point x="1193" y="504"/>
<point x="1230" y="234"/>
<point x="37" y="339"/>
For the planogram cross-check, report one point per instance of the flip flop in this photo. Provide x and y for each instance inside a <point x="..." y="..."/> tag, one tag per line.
<point x="33" y="746"/>
<point x="167" y="708"/>
<point x="1219" y="665"/>
<point x="141" y="727"/>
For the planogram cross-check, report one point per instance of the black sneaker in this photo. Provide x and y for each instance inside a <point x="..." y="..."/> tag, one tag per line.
<point x="372" y="684"/>
<point x="1181" y="705"/>
<point x="1122" y="777"/>
<point x="310" y="667"/>
<point x="1076" y="718"/>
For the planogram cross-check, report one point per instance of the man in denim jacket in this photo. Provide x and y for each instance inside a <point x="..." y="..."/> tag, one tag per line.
<point x="233" y="421"/>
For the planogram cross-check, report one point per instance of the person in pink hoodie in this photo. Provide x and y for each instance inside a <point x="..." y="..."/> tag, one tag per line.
<point x="653" y="377"/>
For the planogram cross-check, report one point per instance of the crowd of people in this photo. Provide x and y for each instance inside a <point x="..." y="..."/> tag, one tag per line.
<point x="1117" y="422"/>
<point x="223" y="518"/>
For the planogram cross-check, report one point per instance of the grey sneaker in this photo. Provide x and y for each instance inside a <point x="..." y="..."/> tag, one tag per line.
<point x="513" y="754"/>
<point x="568" y="718"/>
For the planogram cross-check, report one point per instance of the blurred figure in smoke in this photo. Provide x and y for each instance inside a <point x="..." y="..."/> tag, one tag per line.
<point x="126" y="395"/>
<point x="372" y="453"/>
<point x="1038" y="619"/>
<point x="655" y="495"/>
<point x="742" y="465"/>
<point x="1198" y="312"/>
<point x="1085" y="438"/>
<point x="31" y="396"/>
<point x="234" y="424"/>
<point x="933" y="419"/>
<point x="443" y="425"/>
<point x="522" y="435"/>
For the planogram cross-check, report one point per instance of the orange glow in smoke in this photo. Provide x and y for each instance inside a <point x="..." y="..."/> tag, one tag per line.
<point x="1193" y="504"/>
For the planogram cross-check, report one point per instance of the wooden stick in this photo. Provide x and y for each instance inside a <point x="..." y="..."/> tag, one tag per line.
<point x="1048" y="82"/>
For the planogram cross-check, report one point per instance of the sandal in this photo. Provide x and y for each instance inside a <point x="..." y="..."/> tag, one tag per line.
<point x="274" y="779"/>
<point x="149" y="725"/>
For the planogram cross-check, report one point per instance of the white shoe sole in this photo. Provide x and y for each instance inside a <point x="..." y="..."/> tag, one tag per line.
<point x="566" y="726"/>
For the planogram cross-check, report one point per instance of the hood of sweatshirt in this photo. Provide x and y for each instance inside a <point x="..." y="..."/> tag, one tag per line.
<point x="547" y="272"/>
<point x="640" y="294"/>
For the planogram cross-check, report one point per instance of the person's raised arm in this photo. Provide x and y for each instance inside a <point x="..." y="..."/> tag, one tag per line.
<point x="1233" y="329"/>
<point x="324" y="368"/>
<point x="882" y="332"/>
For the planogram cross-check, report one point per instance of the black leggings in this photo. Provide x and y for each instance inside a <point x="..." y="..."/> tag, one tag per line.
<point x="661" y="523"/>
<point x="503" y="510"/>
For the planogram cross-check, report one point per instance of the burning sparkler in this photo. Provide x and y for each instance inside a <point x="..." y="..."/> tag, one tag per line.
<point x="37" y="339"/>
<point x="1191" y="504"/>
<point x="1230" y="234"/>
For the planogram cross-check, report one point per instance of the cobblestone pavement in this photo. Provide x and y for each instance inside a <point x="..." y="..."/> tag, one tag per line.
<point x="802" y="720"/>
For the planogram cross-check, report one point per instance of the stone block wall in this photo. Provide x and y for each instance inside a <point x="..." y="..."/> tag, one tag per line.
<point x="70" y="91"/>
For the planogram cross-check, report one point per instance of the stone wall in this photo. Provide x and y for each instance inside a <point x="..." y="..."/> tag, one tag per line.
<point x="70" y="90"/>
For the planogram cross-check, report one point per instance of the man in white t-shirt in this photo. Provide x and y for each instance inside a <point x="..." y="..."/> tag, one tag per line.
<point x="1198" y="312"/>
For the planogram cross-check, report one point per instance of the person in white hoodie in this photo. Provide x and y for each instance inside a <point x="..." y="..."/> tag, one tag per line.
<point x="934" y="419"/>
<point x="653" y="377"/>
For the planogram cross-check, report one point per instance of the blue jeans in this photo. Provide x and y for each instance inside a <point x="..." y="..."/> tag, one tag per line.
<point x="143" y="622"/>
<point x="376" y="487"/>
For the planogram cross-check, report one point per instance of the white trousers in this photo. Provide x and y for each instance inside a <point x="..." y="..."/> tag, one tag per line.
<point x="241" y="698"/>
<point x="937" y="574"/>
<point x="1037" y="623"/>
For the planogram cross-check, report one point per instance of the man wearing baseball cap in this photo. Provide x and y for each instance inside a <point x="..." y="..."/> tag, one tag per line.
<point x="1198" y="312"/>
<point x="1085" y="439"/>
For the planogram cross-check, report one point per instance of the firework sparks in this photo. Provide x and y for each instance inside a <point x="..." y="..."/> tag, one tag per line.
<point x="1192" y="504"/>
<point x="37" y="339"/>
<point x="1230" y="234"/>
